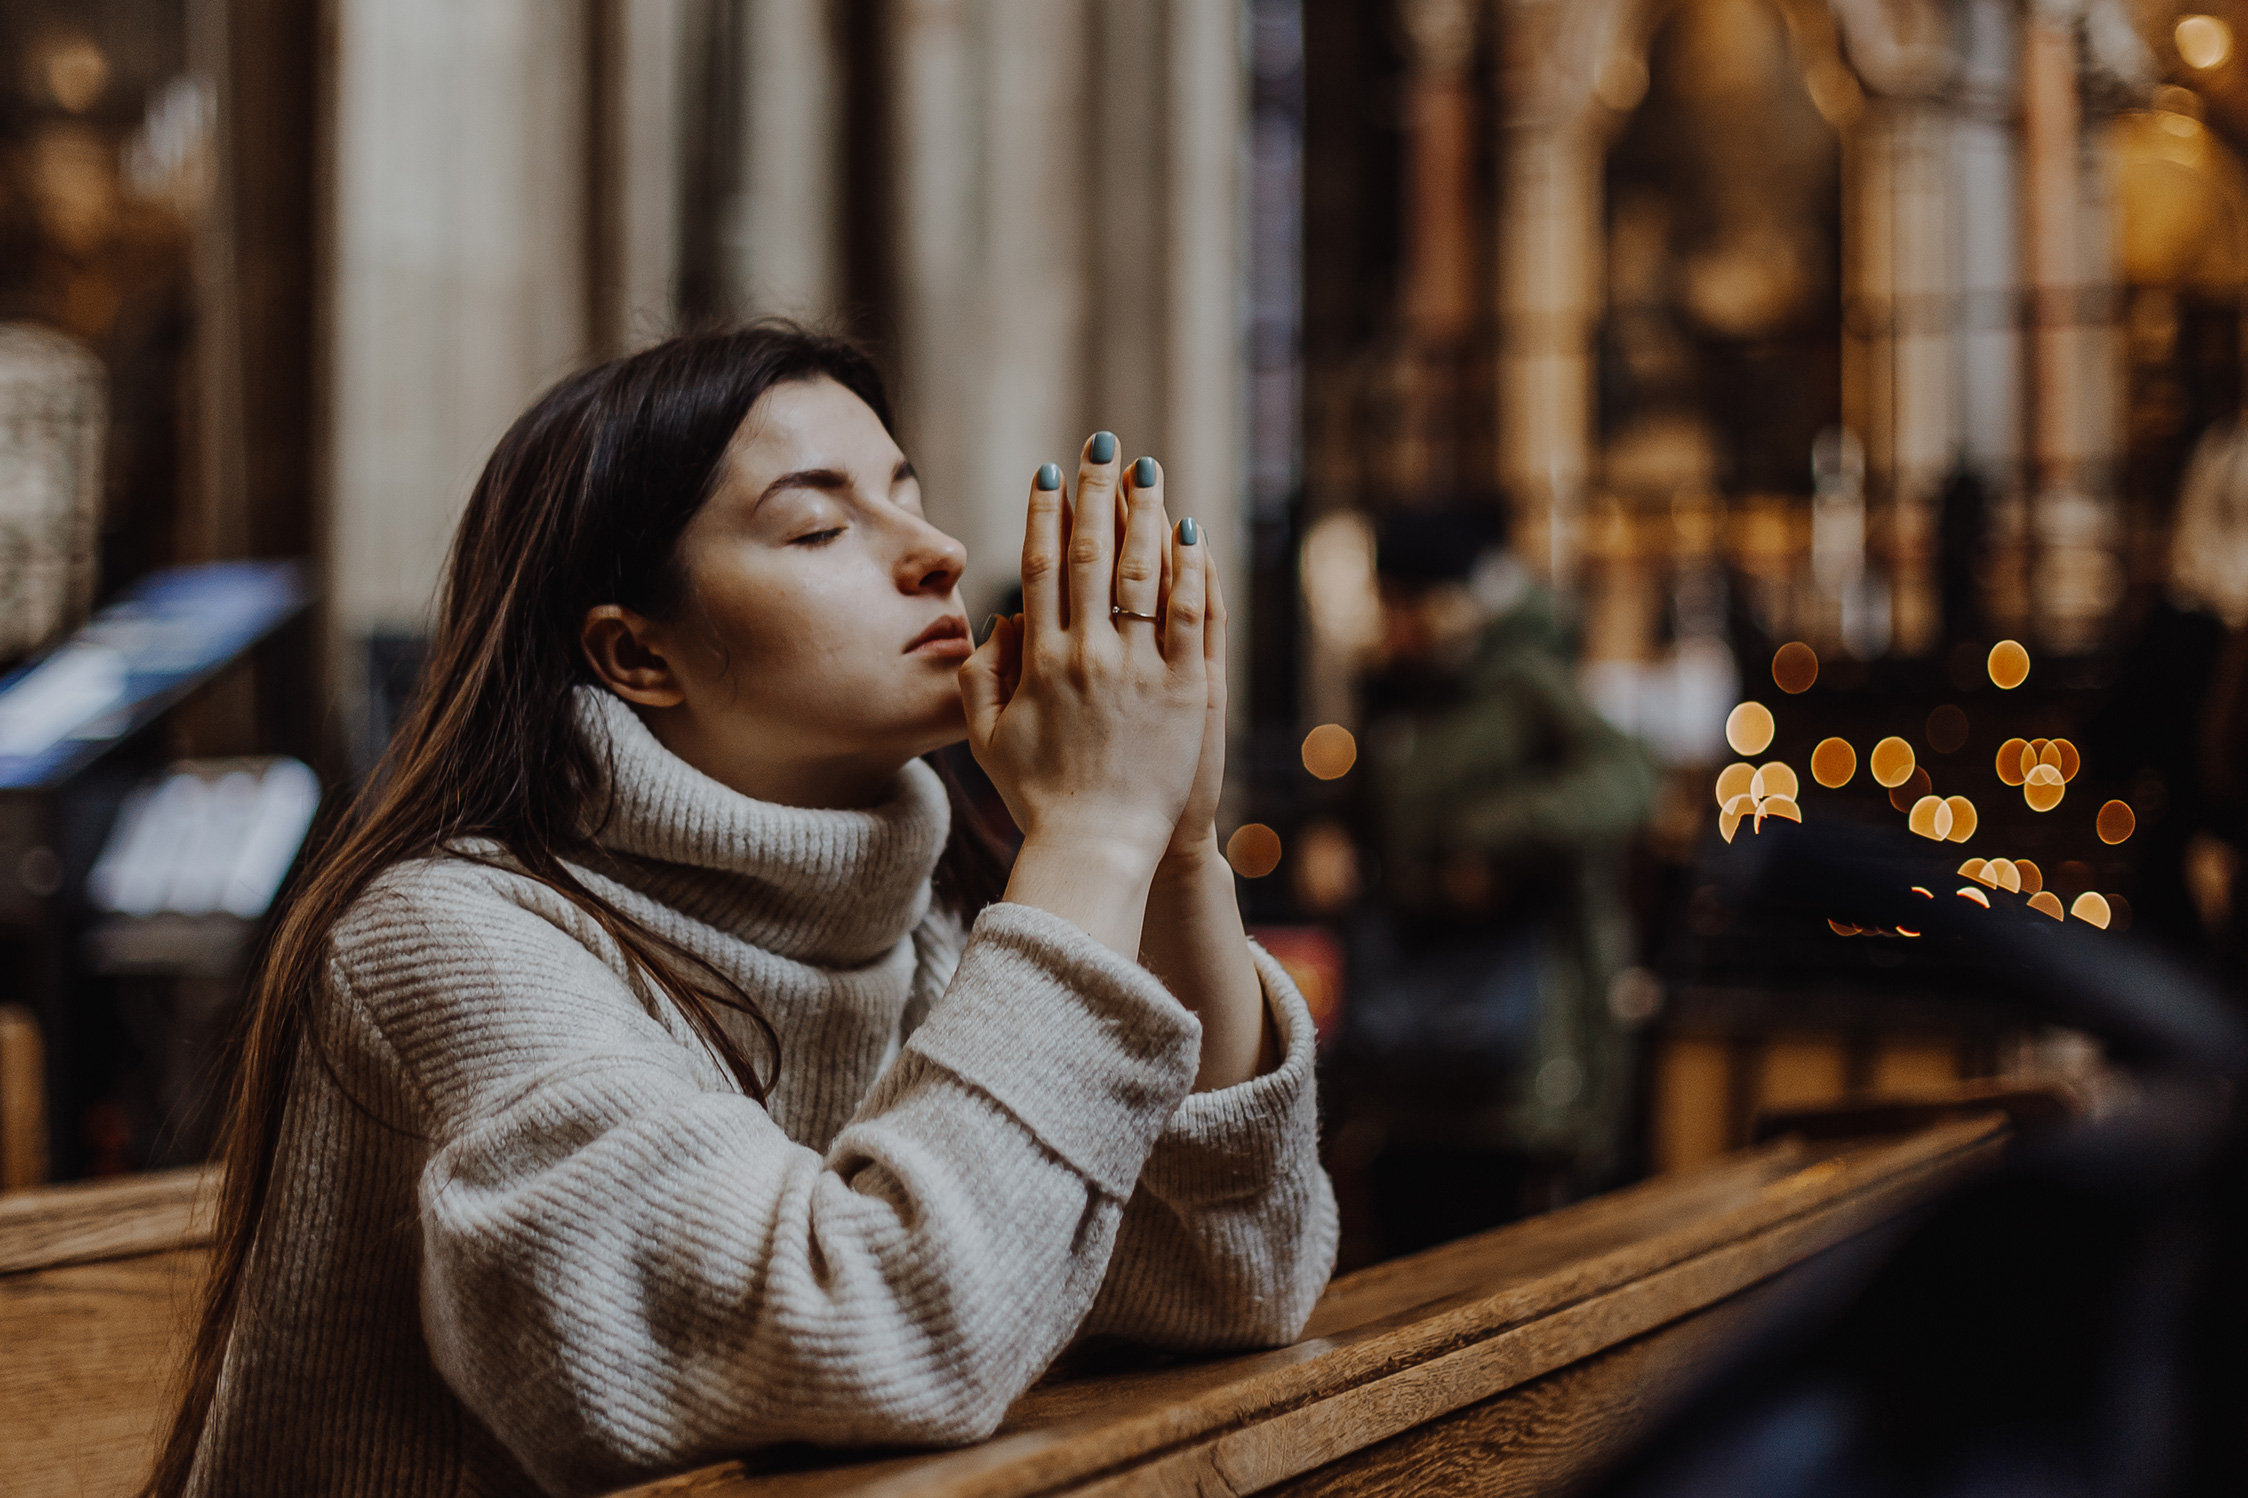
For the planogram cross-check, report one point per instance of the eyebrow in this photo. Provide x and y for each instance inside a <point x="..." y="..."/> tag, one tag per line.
<point x="826" y="479"/>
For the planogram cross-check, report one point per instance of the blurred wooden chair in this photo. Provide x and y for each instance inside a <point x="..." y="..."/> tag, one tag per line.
<point x="23" y="1100"/>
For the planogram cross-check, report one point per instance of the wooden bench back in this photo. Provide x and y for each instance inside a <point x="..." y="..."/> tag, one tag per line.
<point x="1537" y="1351"/>
<point x="97" y="1295"/>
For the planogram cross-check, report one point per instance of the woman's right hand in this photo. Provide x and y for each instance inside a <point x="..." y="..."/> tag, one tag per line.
<point x="1091" y="724"/>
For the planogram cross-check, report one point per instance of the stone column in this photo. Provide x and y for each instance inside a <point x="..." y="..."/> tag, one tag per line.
<point x="2066" y="268"/>
<point x="1205" y="379"/>
<point x="457" y="279"/>
<point x="643" y="135"/>
<point x="1898" y="362"/>
<point x="1550" y="259"/>
<point x="1438" y="301"/>
<point x="1068" y="255"/>
<point x="783" y="231"/>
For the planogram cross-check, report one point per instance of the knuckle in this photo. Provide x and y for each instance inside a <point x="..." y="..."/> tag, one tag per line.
<point x="1084" y="550"/>
<point x="1037" y="566"/>
<point x="1134" y="568"/>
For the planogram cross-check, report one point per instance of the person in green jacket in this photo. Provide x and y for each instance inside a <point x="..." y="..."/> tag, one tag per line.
<point x="1503" y="809"/>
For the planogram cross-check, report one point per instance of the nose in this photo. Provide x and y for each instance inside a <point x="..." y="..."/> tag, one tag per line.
<point x="931" y="562"/>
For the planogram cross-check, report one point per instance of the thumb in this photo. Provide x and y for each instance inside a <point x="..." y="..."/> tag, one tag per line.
<point x="983" y="683"/>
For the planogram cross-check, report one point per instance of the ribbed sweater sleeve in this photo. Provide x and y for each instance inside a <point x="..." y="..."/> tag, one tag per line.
<point x="1231" y="1235"/>
<point x="628" y="1268"/>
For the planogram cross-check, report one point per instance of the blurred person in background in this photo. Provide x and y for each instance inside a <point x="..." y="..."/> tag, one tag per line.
<point x="2172" y="736"/>
<point x="1503" y="808"/>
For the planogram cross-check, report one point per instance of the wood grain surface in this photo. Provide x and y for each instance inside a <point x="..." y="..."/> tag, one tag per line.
<point x="93" y="1221"/>
<point x="1507" y="1323"/>
<point x="97" y="1293"/>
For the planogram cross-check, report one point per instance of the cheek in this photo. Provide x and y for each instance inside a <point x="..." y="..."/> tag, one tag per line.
<point x="814" y="639"/>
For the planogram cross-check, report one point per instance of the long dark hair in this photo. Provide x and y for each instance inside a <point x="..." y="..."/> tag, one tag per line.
<point x="581" y="504"/>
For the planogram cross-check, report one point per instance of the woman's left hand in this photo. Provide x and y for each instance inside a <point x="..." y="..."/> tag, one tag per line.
<point x="1196" y="835"/>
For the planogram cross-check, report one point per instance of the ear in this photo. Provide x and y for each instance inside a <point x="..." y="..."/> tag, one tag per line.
<point x="629" y="655"/>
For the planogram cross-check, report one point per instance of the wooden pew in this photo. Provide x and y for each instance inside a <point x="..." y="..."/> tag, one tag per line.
<point x="96" y="1290"/>
<point x="1511" y="1362"/>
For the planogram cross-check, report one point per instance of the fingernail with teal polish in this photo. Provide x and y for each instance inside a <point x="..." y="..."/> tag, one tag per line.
<point x="991" y="624"/>
<point x="1103" y="447"/>
<point x="1143" y="474"/>
<point x="1049" y="477"/>
<point x="1189" y="532"/>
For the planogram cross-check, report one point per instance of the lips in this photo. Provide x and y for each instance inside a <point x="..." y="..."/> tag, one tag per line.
<point x="948" y="636"/>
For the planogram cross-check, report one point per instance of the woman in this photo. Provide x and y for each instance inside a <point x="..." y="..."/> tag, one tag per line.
<point x="639" y="1077"/>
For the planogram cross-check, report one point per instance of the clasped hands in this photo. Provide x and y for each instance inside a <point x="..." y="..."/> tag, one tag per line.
<point x="1103" y="732"/>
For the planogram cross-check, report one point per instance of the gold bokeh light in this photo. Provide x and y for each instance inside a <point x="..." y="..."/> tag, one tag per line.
<point x="1253" y="850"/>
<point x="1729" y="820"/>
<point x="2092" y="909"/>
<point x="1774" y="779"/>
<point x="2008" y="664"/>
<point x="1833" y="763"/>
<point x="1330" y="751"/>
<point x="2043" y="788"/>
<point x="1734" y="780"/>
<point x="2010" y="756"/>
<point x="2045" y="902"/>
<point x="1891" y="762"/>
<point x="1963" y="818"/>
<point x="2116" y="822"/>
<point x="1916" y="785"/>
<point x="2203" y="42"/>
<point x="2031" y="876"/>
<point x="2004" y="875"/>
<point x="1795" y="666"/>
<point x="1930" y="818"/>
<point x="1749" y="728"/>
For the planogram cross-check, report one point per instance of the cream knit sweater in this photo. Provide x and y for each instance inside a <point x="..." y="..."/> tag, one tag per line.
<point x="546" y="1243"/>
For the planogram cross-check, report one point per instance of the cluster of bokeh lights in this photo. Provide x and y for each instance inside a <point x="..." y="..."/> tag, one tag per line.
<point x="1749" y="793"/>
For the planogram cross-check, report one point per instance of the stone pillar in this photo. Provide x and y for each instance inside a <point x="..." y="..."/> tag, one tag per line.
<point x="643" y="127"/>
<point x="2066" y="258"/>
<point x="1898" y="364"/>
<point x="1550" y="259"/>
<point x="457" y="280"/>
<point x="1205" y="379"/>
<point x="1068" y="255"/>
<point x="1438" y="301"/>
<point x="783" y="231"/>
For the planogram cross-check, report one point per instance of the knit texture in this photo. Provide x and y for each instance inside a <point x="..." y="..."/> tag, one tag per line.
<point x="526" y="1234"/>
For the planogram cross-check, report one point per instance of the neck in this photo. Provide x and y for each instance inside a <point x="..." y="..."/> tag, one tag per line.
<point x="738" y="761"/>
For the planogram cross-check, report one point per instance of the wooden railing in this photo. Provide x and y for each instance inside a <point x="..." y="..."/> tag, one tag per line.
<point x="1511" y="1362"/>
<point x="97" y="1289"/>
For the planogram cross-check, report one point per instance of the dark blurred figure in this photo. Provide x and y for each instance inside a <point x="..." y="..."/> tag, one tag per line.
<point x="2170" y="738"/>
<point x="1964" y="526"/>
<point x="1502" y="808"/>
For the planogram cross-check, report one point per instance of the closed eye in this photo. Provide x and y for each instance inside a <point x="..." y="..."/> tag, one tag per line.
<point x="818" y="538"/>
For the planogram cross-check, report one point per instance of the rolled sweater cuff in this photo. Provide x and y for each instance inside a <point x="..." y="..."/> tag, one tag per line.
<point x="1089" y="1050"/>
<point x="1235" y="1141"/>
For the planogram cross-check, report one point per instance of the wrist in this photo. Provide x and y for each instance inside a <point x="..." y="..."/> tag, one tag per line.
<point x="1129" y="861"/>
<point x="1190" y="858"/>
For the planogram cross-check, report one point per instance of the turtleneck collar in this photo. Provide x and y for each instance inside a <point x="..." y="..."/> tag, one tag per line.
<point x="831" y="888"/>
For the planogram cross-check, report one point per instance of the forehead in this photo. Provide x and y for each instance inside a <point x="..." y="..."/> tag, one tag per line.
<point x="812" y="423"/>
